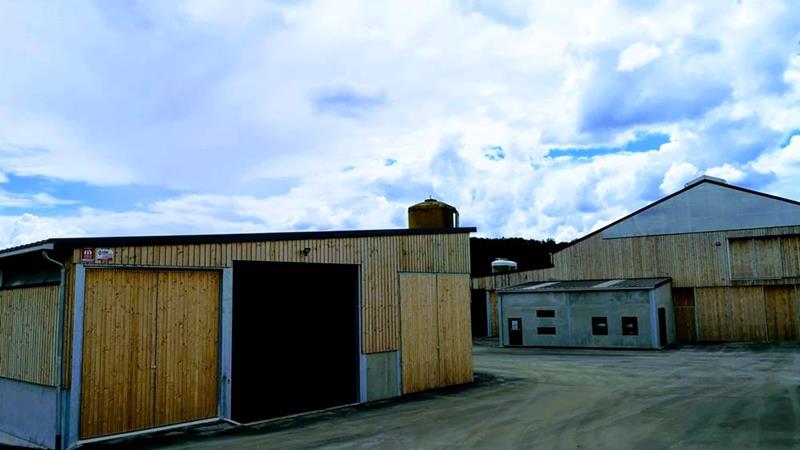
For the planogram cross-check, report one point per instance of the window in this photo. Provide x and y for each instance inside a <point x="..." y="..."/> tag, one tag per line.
<point x="546" y="330"/>
<point x="545" y="313"/>
<point x="630" y="326"/>
<point x="600" y="326"/>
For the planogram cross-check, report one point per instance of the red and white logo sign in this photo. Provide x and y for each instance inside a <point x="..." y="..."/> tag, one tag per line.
<point x="87" y="254"/>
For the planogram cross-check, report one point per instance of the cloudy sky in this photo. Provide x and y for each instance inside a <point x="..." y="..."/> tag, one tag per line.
<point x="534" y="118"/>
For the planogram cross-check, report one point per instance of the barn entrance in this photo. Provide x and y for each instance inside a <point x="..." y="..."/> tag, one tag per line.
<point x="150" y="349"/>
<point x="295" y="338"/>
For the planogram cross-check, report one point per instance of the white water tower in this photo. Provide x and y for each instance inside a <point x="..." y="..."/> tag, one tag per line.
<point x="502" y="265"/>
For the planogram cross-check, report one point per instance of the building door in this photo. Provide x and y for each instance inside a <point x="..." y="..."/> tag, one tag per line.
<point x="662" y="327"/>
<point x="436" y="349"/>
<point x="295" y="338"/>
<point x="515" y="331"/>
<point x="150" y="349"/>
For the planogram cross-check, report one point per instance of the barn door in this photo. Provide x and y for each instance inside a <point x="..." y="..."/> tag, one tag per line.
<point x="118" y="380"/>
<point x="435" y="330"/>
<point x="149" y="349"/>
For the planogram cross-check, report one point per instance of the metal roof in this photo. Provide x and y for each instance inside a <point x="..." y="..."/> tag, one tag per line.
<point x="628" y="284"/>
<point x="62" y="244"/>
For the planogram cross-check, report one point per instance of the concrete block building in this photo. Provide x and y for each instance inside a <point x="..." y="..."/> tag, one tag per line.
<point x="598" y="313"/>
<point x="106" y="336"/>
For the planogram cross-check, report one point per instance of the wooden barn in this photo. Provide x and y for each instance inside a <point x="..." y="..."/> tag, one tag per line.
<point x="733" y="256"/>
<point x="104" y="336"/>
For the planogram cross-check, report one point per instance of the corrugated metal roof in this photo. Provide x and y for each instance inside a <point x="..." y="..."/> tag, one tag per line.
<point x="589" y="285"/>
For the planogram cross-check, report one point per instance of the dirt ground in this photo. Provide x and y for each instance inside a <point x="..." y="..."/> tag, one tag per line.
<point x="722" y="396"/>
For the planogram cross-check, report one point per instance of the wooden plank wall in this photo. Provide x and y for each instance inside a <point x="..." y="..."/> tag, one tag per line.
<point x="782" y="312"/>
<point x="27" y="334"/>
<point x="420" y="318"/>
<point x="436" y="331"/>
<point x="756" y="313"/>
<point x="455" y="329"/>
<point x="691" y="260"/>
<point x="684" y="307"/>
<point x="503" y="280"/>
<point x="186" y="350"/>
<point x="381" y="258"/>
<point x="713" y="315"/>
<point x="119" y="347"/>
<point x="150" y="349"/>
<point x="495" y="331"/>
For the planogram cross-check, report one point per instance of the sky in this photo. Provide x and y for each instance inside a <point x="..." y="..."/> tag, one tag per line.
<point x="536" y="119"/>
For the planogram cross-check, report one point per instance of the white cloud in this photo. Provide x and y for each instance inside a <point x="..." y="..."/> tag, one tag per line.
<point x="677" y="176"/>
<point x="220" y="102"/>
<point x="636" y="56"/>
<point x="727" y="172"/>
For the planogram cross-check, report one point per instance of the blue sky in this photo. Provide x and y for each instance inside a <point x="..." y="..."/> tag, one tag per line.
<point x="534" y="118"/>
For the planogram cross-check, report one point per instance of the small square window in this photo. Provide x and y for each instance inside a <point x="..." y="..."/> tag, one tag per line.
<point x="630" y="326"/>
<point x="546" y="330"/>
<point x="600" y="326"/>
<point x="545" y="313"/>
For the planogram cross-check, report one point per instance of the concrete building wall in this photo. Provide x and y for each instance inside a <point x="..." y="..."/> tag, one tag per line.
<point x="28" y="411"/>
<point x="614" y="305"/>
<point x="574" y="312"/>
<point x="524" y="306"/>
<point x="663" y="299"/>
<point x="381" y="378"/>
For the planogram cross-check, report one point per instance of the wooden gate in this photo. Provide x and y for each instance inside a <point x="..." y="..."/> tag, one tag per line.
<point x="150" y="349"/>
<point x="436" y="330"/>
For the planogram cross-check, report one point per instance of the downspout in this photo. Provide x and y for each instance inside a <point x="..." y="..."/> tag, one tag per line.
<point x="62" y="296"/>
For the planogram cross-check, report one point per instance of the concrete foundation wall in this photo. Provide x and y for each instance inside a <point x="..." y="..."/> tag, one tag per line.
<point x="574" y="312"/>
<point x="382" y="375"/>
<point x="28" y="411"/>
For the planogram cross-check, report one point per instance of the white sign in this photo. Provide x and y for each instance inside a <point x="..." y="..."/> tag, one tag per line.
<point x="104" y="254"/>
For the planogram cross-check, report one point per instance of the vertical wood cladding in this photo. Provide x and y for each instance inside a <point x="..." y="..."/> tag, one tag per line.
<point x="781" y="312"/>
<point x="27" y="334"/>
<point x="436" y="341"/>
<point x="118" y="377"/>
<point x="380" y="258"/>
<point x="150" y="349"/>
<point x="691" y="260"/>
<point x="684" y="307"/>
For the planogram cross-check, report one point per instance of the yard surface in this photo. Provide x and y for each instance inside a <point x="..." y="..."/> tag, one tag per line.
<point x="724" y="396"/>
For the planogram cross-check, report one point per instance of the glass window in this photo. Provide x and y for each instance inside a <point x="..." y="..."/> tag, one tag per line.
<point x="546" y="330"/>
<point x="545" y="313"/>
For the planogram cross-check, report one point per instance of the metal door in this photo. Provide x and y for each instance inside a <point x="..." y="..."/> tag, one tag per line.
<point x="515" y="331"/>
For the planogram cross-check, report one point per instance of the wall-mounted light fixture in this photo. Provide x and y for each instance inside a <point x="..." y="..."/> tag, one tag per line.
<point x="306" y="251"/>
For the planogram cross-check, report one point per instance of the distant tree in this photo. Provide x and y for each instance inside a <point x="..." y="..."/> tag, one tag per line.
<point x="529" y="254"/>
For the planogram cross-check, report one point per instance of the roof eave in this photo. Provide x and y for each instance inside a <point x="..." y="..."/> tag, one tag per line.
<point x="21" y="251"/>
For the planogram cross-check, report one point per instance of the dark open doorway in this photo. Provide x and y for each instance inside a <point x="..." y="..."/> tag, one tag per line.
<point x="295" y="338"/>
<point x="662" y="327"/>
<point x="478" y="312"/>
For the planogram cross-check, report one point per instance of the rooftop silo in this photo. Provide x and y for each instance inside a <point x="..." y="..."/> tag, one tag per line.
<point x="432" y="214"/>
